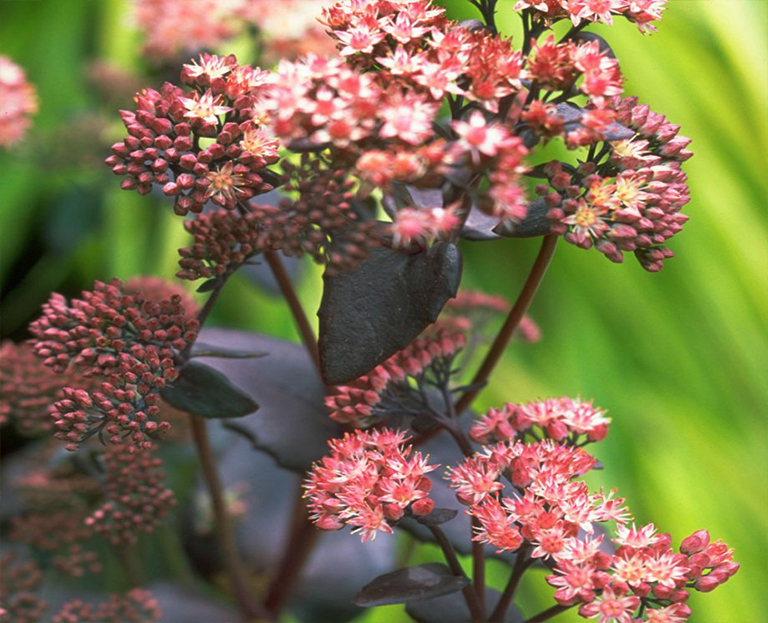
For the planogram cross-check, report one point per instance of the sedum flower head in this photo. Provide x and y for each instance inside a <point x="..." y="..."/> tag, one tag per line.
<point x="128" y="341"/>
<point x="369" y="480"/>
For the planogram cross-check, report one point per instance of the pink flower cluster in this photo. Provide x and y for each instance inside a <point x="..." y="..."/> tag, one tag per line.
<point x="369" y="480"/>
<point x="164" y="133"/>
<point x="137" y="497"/>
<point x="557" y="419"/>
<point x="368" y="399"/>
<point x="550" y="514"/>
<point x="120" y="337"/>
<point x="18" y="100"/>
<point x="641" y="12"/>
<point x="632" y="201"/>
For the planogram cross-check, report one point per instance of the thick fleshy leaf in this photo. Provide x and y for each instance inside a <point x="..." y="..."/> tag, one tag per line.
<point x="534" y="224"/>
<point x="421" y="582"/>
<point x="371" y="312"/>
<point x="453" y="609"/>
<point x="204" y="391"/>
<point x="571" y="115"/>
<point x="480" y="227"/>
<point x="292" y="424"/>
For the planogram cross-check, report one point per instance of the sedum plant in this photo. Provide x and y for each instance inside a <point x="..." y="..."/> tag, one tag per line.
<point x="379" y="161"/>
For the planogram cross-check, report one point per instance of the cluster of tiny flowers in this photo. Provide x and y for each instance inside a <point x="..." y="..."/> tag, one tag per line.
<point x="19" y="602"/>
<point x="18" y="100"/>
<point x="223" y="241"/>
<point x="126" y="340"/>
<point x="413" y="44"/>
<point x="550" y="515"/>
<point x="137" y="497"/>
<point x="163" y="146"/>
<point x="323" y="220"/>
<point x="385" y="390"/>
<point x="135" y="606"/>
<point x="369" y="480"/>
<point x="645" y="573"/>
<point x="640" y="12"/>
<point x="556" y="418"/>
<point x="28" y="389"/>
<point x="632" y="201"/>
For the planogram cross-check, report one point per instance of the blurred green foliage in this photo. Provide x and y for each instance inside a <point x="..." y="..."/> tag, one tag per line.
<point x="678" y="358"/>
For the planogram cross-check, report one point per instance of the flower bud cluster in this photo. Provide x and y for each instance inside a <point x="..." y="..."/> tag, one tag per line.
<point x="156" y="290"/>
<point x="323" y="220"/>
<point x="556" y="418"/>
<point x="164" y="148"/>
<point x="383" y="391"/>
<point x="18" y="600"/>
<point x="368" y="481"/>
<point x="127" y="340"/>
<point x="640" y="12"/>
<point x="18" y="102"/>
<point x="632" y="201"/>
<point x="223" y="241"/>
<point x="28" y="389"/>
<point x="137" y="606"/>
<point x="137" y="497"/>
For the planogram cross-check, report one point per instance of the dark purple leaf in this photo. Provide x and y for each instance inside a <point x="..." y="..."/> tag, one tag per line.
<point x="479" y="227"/>
<point x="412" y="583"/>
<point x="371" y="312"/>
<point x="453" y="609"/>
<point x="534" y="224"/>
<point x="292" y="424"/>
<point x="204" y="391"/>
<point x="209" y="285"/>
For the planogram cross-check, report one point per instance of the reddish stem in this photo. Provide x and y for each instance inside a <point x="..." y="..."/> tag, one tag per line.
<point x="470" y="595"/>
<point x="299" y="317"/>
<point x="224" y="532"/>
<point x="521" y="564"/>
<point x="301" y="540"/>
<point x="516" y="314"/>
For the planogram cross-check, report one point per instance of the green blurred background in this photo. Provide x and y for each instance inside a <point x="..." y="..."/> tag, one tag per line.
<point x="678" y="358"/>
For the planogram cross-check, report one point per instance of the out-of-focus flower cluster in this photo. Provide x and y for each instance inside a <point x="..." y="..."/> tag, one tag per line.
<point x="137" y="498"/>
<point x="163" y="146"/>
<point x="398" y="386"/>
<point x="28" y="389"/>
<point x="632" y="200"/>
<point x="18" y="100"/>
<point x="135" y="606"/>
<point x="19" y="602"/>
<point x="556" y="418"/>
<point x="529" y="498"/>
<point x="176" y="27"/>
<point x="126" y="340"/>
<point x="640" y="12"/>
<point x="369" y="480"/>
<point x="481" y="308"/>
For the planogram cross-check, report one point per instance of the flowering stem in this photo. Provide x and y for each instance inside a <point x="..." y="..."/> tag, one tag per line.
<point x="516" y="314"/>
<point x="286" y="288"/>
<point x="522" y="562"/>
<point x="478" y="569"/>
<point x="301" y="540"/>
<point x="548" y="613"/>
<point x="471" y="597"/>
<point x="224" y="532"/>
<point x="130" y="565"/>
